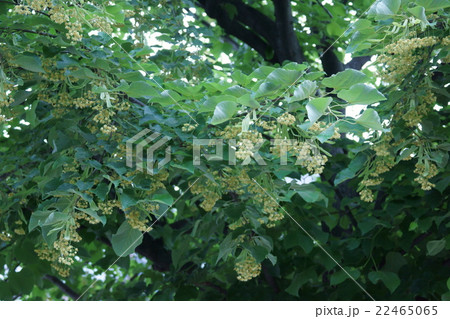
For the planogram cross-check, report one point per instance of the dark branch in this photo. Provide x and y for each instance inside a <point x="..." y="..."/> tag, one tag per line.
<point x="330" y="62"/>
<point x="243" y="26"/>
<point x="325" y="9"/>
<point x="225" y="38"/>
<point x="358" y="62"/>
<point x="31" y="31"/>
<point x="270" y="280"/>
<point x="62" y="286"/>
<point x="153" y="250"/>
<point x="286" y="42"/>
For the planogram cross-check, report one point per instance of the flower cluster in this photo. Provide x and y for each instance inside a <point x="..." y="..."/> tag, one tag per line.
<point x="83" y="216"/>
<point x="309" y="156"/>
<point x="247" y="143"/>
<point x="366" y="195"/>
<point x="414" y="115"/>
<point x="137" y="220"/>
<point x="402" y="56"/>
<point x="286" y="119"/>
<point x="5" y="236"/>
<point x="51" y="73"/>
<point x="320" y="126"/>
<point x="239" y="223"/>
<point x="108" y="206"/>
<point x="267" y="125"/>
<point x="19" y="229"/>
<point x="5" y="94"/>
<point x="382" y="163"/>
<point x="209" y="190"/>
<point x="247" y="268"/>
<point x="188" y="127"/>
<point x="61" y="255"/>
<point x="426" y="171"/>
<point x="269" y="205"/>
<point x="230" y="132"/>
<point x="102" y="24"/>
<point x="57" y="13"/>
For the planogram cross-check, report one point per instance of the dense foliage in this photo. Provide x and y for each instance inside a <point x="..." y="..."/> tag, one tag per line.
<point x="317" y="205"/>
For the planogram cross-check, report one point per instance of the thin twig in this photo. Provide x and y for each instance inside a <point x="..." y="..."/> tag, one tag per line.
<point x="323" y="7"/>
<point x="31" y="31"/>
<point x="62" y="286"/>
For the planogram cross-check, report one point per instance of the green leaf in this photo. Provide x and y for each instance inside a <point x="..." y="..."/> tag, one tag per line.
<point x="236" y="91"/>
<point x="389" y="279"/>
<point x="340" y="276"/>
<point x="355" y="165"/>
<point x="132" y="76"/>
<point x="394" y="261"/>
<point x="188" y="166"/>
<point x="314" y="75"/>
<point x="434" y="247"/>
<point x="37" y="218"/>
<point x="446" y="296"/>
<point x="93" y="214"/>
<point x="419" y="13"/>
<point x="262" y="72"/>
<point x="361" y="94"/>
<point x="128" y="198"/>
<point x="248" y="100"/>
<point x="82" y="186"/>
<point x="166" y="97"/>
<point x="384" y="9"/>
<point x="295" y="285"/>
<point x="140" y="89"/>
<point x="299" y="280"/>
<point x="273" y="259"/>
<point x="226" y="247"/>
<point x="211" y="102"/>
<point x="224" y="111"/>
<point x="370" y="119"/>
<point x="317" y="107"/>
<point x="284" y="77"/>
<point x="30" y="63"/>
<point x="433" y="5"/>
<point x="22" y="282"/>
<point x="258" y="252"/>
<point x="344" y="79"/>
<point x="308" y="192"/>
<point x="266" y="89"/>
<point x="326" y="134"/>
<point x="303" y="91"/>
<point x="84" y="73"/>
<point x="56" y="217"/>
<point x="102" y="190"/>
<point x="163" y="197"/>
<point x="125" y="241"/>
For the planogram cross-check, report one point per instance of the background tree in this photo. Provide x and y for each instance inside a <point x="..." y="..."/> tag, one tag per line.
<point x="359" y="211"/>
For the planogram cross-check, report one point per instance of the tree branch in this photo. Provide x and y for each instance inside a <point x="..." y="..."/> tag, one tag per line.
<point x="62" y="286"/>
<point x="325" y="9"/>
<point x="287" y="45"/>
<point x="270" y="280"/>
<point x="249" y="25"/>
<point x="330" y="62"/>
<point x="31" y="31"/>
<point x="358" y="62"/>
<point x="153" y="250"/>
